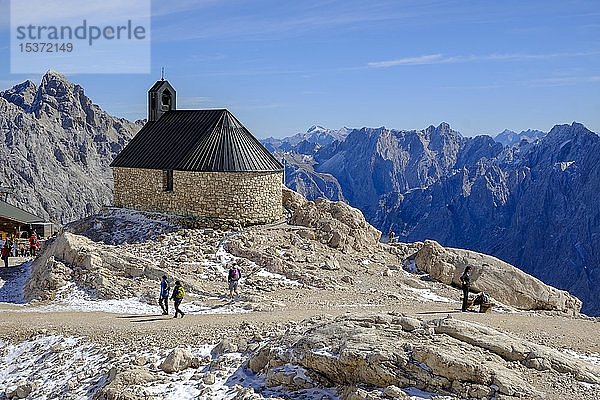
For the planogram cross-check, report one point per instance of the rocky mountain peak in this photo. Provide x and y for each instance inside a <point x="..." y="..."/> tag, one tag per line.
<point x="512" y="138"/>
<point x="316" y="128"/>
<point x="21" y="95"/>
<point x="60" y="100"/>
<point x="54" y="95"/>
<point x="442" y="128"/>
<point x="55" y="139"/>
<point x="568" y="131"/>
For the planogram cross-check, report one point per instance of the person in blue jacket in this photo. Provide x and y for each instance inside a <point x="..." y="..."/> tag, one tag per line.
<point x="163" y="299"/>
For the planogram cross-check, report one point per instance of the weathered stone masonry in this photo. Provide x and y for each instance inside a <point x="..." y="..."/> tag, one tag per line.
<point x="249" y="197"/>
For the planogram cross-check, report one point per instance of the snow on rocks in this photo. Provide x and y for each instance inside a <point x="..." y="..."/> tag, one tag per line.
<point x="49" y="367"/>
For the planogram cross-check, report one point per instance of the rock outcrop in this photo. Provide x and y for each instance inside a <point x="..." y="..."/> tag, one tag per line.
<point x="335" y="223"/>
<point x="110" y="272"/>
<point x="377" y="353"/>
<point x="502" y="281"/>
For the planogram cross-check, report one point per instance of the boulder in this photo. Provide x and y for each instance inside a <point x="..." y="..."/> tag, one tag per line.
<point x="225" y="346"/>
<point x="493" y="276"/>
<point x="120" y="384"/>
<point x="22" y="391"/>
<point x="178" y="360"/>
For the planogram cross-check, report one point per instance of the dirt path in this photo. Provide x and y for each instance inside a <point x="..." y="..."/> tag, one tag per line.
<point x="578" y="334"/>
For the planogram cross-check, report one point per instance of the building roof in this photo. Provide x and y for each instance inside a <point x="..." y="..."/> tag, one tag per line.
<point x="196" y="140"/>
<point x="158" y="84"/>
<point x="13" y="213"/>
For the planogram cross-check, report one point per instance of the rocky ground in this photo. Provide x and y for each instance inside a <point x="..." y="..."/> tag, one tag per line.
<point x="325" y="312"/>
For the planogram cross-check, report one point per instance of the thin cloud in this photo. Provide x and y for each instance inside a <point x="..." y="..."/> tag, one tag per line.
<point x="420" y="60"/>
<point x="441" y="59"/>
<point x="565" y="81"/>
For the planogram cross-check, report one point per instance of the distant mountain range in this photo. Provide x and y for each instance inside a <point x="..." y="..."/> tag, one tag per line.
<point x="527" y="198"/>
<point x="510" y="138"/>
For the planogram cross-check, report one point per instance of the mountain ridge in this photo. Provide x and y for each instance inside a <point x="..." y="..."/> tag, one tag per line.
<point x="479" y="194"/>
<point x="55" y="130"/>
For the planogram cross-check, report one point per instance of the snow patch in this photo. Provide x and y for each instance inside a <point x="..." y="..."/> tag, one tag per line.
<point x="427" y="294"/>
<point x="12" y="283"/>
<point x="592" y="358"/>
<point x="565" y="164"/>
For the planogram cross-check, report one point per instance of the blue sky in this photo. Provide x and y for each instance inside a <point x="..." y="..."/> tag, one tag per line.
<point x="281" y="66"/>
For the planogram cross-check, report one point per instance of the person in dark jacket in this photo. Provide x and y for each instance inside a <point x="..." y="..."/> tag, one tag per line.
<point x="177" y="297"/>
<point x="233" y="278"/>
<point x="5" y="253"/>
<point x="465" y="280"/>
<point x="163" y="299"/>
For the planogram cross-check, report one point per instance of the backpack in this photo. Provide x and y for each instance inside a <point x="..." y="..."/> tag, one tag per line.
<point x="234" y="274"/>
<point x="180" y="292"/>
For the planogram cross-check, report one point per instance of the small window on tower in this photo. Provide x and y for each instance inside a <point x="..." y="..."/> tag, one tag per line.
<point x="168" y="180"/>
<point x="166" y="100"/>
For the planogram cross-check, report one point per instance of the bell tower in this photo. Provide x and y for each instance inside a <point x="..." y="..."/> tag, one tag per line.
<point x="162" y="97"/>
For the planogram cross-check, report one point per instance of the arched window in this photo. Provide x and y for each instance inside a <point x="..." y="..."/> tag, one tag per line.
<point x="166" y="100"/>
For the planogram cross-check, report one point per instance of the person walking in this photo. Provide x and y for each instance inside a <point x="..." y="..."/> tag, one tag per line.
<point x="163" y="299"/>
<point x="33" y="245"/>
<point x="178" y="295"/>
<point x="391" y="237"/>
<point x="5" y="254"/>
<point x="465" y="280"/>
<point x="233" y="278"/>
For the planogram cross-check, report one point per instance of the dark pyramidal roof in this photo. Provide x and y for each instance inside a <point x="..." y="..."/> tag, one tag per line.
<point x="196" y="140"/>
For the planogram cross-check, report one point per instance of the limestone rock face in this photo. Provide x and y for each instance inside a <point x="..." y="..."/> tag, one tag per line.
<point x="335" y="223"/>
<point x="445" y="356"/>
<point x="57" y="148"/>
<point x="502" y="281"/>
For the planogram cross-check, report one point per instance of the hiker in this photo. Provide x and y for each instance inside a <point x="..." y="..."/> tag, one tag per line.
<point x="484" y="302"/>
<point x="465" y="280"/>
<point x="163" y="299"/>
<point x="5" y="254"/>
<point x="232" y="278"/>
<point x="177" y="297"/>
<point x="33" y="244"/>
<point x="391" y="236"/>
